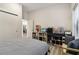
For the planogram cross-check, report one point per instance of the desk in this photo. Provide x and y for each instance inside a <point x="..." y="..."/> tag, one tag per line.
<point x="57" y="38"/>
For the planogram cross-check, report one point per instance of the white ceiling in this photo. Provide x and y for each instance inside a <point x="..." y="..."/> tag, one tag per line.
<point x="36" y="6"/>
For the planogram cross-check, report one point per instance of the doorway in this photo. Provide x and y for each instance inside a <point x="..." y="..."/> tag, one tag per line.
<point x="24" y="26"/>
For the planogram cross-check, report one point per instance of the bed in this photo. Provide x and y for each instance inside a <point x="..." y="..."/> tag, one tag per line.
<point x="23" y="47"/>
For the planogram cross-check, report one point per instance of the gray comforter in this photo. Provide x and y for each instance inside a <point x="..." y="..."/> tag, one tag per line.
<point x="23" y="47"/>
<point x="74" y="44"/>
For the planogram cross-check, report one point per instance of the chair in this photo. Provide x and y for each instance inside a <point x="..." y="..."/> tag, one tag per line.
<point x="49" y="33"/>
<point x="57" y="36"/>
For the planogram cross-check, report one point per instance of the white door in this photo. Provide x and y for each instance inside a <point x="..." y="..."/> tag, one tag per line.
<point x="8" y="26"/>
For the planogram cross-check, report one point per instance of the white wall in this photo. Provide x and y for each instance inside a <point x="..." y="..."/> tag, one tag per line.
<point x="29" y="29"/>
<point x="25" y="14"/>
<point x="10" y="25"/>
<point x="57" y="15"/>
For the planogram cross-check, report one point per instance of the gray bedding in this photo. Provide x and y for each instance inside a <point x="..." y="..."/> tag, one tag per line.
<point x="74" y="44"/>
<point x="23" y="47"/>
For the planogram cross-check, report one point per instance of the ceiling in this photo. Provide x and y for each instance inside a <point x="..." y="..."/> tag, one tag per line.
<point x="36" y="6"/>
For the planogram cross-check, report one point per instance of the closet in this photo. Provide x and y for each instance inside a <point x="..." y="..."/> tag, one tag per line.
<point x="10" y="21"/>
<point x="8" y="25"/>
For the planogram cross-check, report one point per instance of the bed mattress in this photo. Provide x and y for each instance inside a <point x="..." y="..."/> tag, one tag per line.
<point x="23" y="47"/>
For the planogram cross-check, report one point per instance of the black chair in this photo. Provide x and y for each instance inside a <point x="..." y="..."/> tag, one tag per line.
<point x="49" y="34"/>
<point x="58" y="38"/>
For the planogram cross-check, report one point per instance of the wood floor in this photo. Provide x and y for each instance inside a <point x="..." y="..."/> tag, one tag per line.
<point x="54" y="50"/>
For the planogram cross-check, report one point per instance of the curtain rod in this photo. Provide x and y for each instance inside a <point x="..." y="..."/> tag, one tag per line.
<point x="8" y="12"/>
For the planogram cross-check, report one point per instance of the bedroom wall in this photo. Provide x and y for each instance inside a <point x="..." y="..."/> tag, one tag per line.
<point x="57" y="15"/>
<point x="16" y="9"/>
<point x="25" y="14"/>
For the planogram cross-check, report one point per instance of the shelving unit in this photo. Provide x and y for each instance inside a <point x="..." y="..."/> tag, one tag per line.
<point x="40" y="36"/>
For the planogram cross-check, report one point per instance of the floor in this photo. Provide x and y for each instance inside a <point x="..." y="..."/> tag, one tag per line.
<point x="54" y="50"/>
